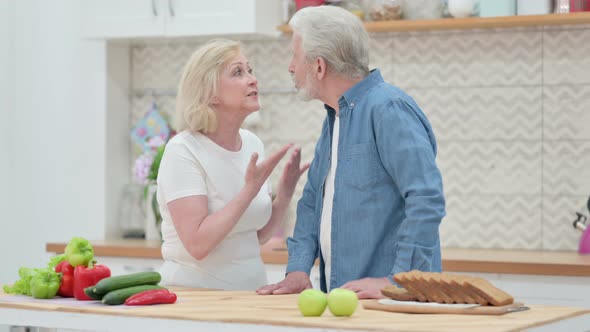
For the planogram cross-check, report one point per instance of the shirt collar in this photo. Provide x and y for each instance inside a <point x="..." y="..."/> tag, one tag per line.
<point x="352" y="95"/>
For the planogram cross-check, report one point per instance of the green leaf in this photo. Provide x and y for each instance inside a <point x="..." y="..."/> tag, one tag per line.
<point x="22" y="285"/>
<point x="53" y="261"/>
<point x="153" y="174"/>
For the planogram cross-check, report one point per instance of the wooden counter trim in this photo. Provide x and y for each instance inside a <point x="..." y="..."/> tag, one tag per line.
<point x="472" y="23"/>
<point x="516" y="268"/>
<point x="560" y="263"/>
<point x="118" y="248"/>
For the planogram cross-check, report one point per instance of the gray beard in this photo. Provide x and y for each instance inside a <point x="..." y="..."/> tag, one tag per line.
<point x="304" y="95"/>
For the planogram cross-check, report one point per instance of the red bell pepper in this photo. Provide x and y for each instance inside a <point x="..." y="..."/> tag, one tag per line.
<point x="153" y="296"/>
<point x="66" y="287"/>
<point x="88" y="276"/>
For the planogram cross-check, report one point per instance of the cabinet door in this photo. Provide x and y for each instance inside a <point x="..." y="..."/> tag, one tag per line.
<point x="189" y="17"/>
<point x="111" y="19"/>
<point x="193" y="18"/>
<point x="124" y="19"/>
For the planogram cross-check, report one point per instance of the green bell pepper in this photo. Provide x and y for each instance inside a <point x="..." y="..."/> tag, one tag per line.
<point x="44" y="284"/>
<point x="79" y="252"/>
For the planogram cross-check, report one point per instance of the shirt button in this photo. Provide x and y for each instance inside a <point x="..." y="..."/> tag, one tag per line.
<point x="351" y="104"/>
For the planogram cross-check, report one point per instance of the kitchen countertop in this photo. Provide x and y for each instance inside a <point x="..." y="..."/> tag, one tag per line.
<point x="199" y="309"/>
<point x="534" y="262"/>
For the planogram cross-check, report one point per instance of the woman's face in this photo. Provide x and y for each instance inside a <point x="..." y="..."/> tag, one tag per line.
<point x="237" y="88"/>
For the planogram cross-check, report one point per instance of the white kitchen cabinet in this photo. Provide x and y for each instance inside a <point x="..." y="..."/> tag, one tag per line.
<point x="112" y="19"/>
<point x="127" y="265"/>
<point x="119" y="19"/>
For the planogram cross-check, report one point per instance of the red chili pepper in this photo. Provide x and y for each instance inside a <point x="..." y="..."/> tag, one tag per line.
<point x="66" y="287"/>
<point x="88" y="276"/>
<point x="152" y="296"/>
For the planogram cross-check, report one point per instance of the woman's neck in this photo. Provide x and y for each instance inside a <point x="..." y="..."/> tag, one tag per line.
<point x="227" y="135"/>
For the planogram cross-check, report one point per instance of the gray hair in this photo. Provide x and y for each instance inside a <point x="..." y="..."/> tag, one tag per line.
<point x="198" y="85"/>
<point x="337" y="36"/>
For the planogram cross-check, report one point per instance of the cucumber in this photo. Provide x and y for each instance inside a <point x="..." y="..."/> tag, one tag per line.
<point x="91" y="294"/>
<point x="120" y="295"/>
<point x="128" y="280"/>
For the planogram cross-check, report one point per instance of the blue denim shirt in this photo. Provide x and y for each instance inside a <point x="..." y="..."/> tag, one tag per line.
<point x="388" y="199"/>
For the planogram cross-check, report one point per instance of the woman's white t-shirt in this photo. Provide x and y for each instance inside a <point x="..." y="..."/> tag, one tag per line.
<point x="194" y="165"/>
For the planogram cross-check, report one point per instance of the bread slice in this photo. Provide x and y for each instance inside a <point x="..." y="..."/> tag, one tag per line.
<point x="491" y="293"/>
<point x="458" y="292"/>
<point x="436" y="288"/>
<point x="407" y="281"/>
<point x="457" y="282"/>
<point x="399" y="294"/>
<point x="446" y="288"/>
<point x="449" y="295"/>
<point x="425" y="288"/>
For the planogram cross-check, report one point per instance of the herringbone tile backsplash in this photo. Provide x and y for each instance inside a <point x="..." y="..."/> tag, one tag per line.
<point x="510" y="109"/>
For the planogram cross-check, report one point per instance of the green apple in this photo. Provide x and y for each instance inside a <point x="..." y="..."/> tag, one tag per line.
<point x="312" y="302"/>
<point x="342" y="302"/>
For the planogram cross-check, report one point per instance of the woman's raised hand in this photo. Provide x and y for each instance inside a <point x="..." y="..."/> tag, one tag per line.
<point x="256" y="174"/>
<point x="291" y="174"/>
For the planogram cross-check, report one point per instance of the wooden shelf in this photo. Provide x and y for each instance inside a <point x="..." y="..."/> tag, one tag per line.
<point x="535" y="262"/>
<point x="472" y="23"/>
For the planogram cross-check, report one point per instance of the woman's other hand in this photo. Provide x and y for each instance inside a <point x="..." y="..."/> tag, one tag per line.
<point x="256" y="174"/>
<point x="291" y="175"/>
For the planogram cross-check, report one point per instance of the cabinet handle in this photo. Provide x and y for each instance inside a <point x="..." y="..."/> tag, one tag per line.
<point x="171" y="8"/>
<point x="154" y="8"/>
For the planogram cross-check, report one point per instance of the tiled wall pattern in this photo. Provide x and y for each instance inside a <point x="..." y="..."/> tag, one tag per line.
<point x="510" y="108"/>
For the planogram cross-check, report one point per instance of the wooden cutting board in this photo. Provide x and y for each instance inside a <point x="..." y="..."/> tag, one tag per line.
<point x="429" y="308"/>
<point x="281" y="310"/>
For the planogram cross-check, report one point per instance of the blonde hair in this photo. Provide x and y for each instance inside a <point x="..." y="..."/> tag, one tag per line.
<point x="198" y="85"/>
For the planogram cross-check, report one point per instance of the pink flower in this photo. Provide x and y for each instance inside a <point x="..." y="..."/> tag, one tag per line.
<point x="141" y="132"/>
<point x="142" y="166"/>
<point x="156" y="142"/>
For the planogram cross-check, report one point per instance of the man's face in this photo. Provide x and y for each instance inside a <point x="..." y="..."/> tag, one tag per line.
<point x="302" y="72"/>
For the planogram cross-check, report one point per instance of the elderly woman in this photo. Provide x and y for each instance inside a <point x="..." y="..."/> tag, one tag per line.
<point x="212" y="184"/>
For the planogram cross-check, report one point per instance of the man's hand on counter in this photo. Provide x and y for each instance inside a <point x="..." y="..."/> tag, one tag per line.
<point x="294" y="283"/>
<point x="367" y="288"/>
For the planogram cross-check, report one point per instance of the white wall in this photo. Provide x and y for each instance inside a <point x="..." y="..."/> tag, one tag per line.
<point x="52" y="131"/>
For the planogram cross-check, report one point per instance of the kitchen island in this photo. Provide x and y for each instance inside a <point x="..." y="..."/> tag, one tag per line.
<point x="211" y="310"/>
<point x="531" y="276"/>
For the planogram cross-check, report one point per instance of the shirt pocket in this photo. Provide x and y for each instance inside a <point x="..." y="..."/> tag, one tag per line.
<point x="361" y="163"/>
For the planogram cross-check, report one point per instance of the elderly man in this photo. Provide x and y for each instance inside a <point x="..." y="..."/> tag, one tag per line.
<point x="373" y="201"/>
